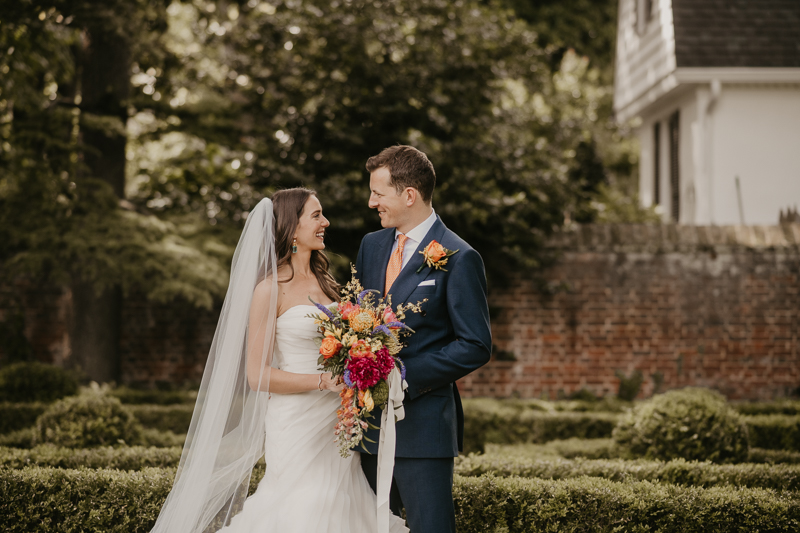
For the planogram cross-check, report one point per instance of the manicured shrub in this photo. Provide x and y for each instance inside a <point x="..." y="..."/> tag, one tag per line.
<point x="120" y="457"/>
<point x="14" y="416"/>
<point x="775" y="432"/>
<point x="91" y="419"/>
<point x="692" y="423"/>
<point x="48" y="500"/>
<point x="677" y="471"/>
<point x="35" y="382"/>
<point x="175" y="418"/>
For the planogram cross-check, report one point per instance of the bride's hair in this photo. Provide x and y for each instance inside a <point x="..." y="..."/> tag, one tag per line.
<point x="288" y="207"/>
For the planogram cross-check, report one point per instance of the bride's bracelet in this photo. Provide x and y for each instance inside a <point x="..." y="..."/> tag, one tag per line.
<point x="319" y="385"/>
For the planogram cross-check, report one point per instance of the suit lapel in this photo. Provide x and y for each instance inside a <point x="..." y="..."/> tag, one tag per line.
<point x="408" y="279"/>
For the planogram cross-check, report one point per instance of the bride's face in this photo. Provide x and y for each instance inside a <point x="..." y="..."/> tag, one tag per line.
<point x="310" y="233"/>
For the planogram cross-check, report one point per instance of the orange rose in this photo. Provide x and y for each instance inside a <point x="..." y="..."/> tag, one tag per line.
<point x="330" y="346"/>
<point x="435" y="251"/>
<point x="360" y="349"/>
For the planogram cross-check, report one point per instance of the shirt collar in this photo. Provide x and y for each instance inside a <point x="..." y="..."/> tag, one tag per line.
<point x="419" y="232"/>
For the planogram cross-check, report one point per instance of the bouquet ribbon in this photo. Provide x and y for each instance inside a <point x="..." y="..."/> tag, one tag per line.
<point x="386" y="446"/>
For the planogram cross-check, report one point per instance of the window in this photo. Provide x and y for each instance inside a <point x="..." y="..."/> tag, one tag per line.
<point x="674" y="167"/>
<point x="657" y="163"/>
<point x="644" y="12"/>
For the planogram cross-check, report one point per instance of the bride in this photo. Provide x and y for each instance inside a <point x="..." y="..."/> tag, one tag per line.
<point x="261" y="395"/>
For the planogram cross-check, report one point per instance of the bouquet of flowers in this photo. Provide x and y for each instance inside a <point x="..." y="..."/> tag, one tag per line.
<point x="359" y="344"/>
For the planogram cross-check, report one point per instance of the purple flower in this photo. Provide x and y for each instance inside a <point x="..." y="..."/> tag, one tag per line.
<point x="347" y="380"/>
<point x="397" y="325"/>
<point x="402" y="368"/>
<point x="363" y="294"/>
<point x="382" y="329"/>
<point x="324" y="310"/>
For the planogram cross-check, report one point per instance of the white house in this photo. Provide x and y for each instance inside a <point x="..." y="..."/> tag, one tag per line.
<point x="716" y="87"/>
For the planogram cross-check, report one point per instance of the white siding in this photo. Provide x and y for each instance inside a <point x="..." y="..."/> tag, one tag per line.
<point x="644" y="60"/>
<point x="756" y="136"/>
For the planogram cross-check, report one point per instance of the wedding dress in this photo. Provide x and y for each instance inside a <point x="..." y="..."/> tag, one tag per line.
<point x="307" y="486"/>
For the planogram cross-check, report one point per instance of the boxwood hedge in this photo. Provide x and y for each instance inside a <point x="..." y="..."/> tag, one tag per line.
<point x="39" y="499"/>
<point x="678" y="471"/>
<point x="511" y="422"/>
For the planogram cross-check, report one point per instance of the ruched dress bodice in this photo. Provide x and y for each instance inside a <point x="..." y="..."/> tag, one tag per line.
<point x="307" y="486"/>
<point x="295" y="347"/>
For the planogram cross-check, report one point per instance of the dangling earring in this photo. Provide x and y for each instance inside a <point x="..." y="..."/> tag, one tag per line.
<point x="294" y="245"/>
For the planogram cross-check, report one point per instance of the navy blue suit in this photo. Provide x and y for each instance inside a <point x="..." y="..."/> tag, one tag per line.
<point x="452" y="338"/>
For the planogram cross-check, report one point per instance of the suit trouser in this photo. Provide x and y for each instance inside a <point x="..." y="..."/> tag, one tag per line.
<point x="424" y="486"/>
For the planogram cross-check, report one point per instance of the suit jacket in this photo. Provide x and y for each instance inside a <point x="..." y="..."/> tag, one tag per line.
<point x="452" y="337"/>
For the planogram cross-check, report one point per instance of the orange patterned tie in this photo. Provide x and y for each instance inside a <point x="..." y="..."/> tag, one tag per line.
<point x="395" y="263"/>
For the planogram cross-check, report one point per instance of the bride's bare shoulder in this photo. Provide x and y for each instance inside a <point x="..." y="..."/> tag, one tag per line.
<point x="264" y="287"/>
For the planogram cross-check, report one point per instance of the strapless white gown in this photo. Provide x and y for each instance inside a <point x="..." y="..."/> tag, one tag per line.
<point x="307" y="487"/>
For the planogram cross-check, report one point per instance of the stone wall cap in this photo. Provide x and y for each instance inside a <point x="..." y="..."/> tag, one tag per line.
<point x="676" y="238"/>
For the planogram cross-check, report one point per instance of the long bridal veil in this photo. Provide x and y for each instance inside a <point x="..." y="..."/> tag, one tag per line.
<point x="226" y="435"/>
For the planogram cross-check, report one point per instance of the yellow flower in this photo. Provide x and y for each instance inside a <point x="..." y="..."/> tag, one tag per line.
<point x="369" y="403"/>
<point x="349" y="339"/>
<point x="376" y="345"/>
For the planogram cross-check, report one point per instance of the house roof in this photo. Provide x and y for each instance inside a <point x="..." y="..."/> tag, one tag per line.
<point x="737" y="33"/>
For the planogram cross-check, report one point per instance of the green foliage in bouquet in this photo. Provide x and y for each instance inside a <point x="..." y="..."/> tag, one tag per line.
<point x="692" y="423"/>
<point x="86" y="421"/>
<point x="36" y="382"/>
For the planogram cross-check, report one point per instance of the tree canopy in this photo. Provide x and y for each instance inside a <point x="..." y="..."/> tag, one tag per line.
<point x="228" y="101"/>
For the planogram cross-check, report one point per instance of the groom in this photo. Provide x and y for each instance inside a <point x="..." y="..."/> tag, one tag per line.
<point x="452" y="333"/>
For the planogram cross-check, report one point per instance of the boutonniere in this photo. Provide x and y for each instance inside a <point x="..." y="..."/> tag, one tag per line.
<point x="435" y="256"/>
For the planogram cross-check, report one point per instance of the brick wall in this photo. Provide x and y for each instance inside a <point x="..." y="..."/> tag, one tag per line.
<point x="708" y="306"/>
<point x="716" y="307"/>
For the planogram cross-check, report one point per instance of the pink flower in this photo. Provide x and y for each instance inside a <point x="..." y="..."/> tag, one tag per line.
<point x="348" y="310"/>
<point x="364" y="371"/>
<point x="389" y="316"/>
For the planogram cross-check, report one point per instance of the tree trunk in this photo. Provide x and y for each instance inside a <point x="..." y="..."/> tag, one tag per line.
<point x="105" y="85"/>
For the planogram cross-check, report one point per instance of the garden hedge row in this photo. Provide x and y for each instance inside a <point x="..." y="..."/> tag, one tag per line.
<point x="777" y="407"/>
<point x="110" y="501"/>
<point x="146" y="396"/>
<point x="774" y="432"/>
<point x="677" y="471"/>
<point x="586" y="504"/>
<point x="16" y="416"/>
<point x="175" y="418"/>
<point x="120" y="458"/>
<point x="492" y="421"/>
<point x="23" y="438"/>
<point x="607" y="449"/>
<point x="497" y="421"/>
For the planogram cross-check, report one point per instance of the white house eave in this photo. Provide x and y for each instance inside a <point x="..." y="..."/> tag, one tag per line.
<point x="738" y="74"/>
<point x="698" y="75"/>
<point x="656" y="91"/>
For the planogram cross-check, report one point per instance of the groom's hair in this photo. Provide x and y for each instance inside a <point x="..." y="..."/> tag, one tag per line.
<point x="408" y="167"/>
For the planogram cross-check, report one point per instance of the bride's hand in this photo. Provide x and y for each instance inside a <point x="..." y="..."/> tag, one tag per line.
<point x="330" y="383"/>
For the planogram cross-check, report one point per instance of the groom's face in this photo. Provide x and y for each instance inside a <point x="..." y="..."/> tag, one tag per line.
<point x="391" y="207"/>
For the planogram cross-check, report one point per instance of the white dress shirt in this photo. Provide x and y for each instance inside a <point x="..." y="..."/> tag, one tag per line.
<point x="414" y="238"/>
